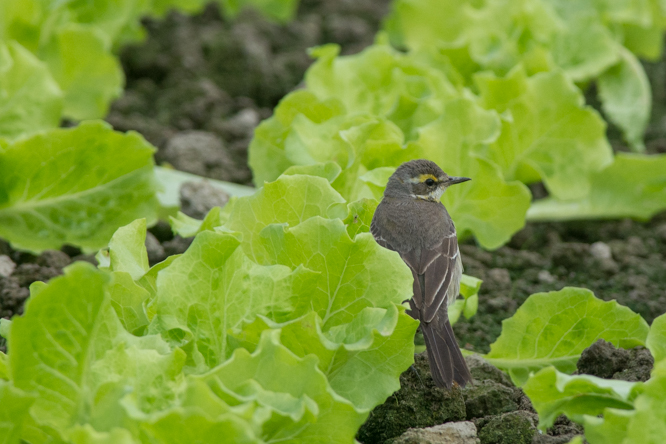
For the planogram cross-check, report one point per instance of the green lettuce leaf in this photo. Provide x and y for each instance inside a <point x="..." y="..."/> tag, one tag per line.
<point x="90" y="76"/>
<point x="626" y="98"/>
<point x="14" y="410"/>
<point x="553" y="393"/>
<point x="634" y="185"/>
<point x="289" y="200"/>
<point x="647" y="424"/>
<point x="554" y="328"/>
<point x="292" y="389"/>
<point x="547" y="132"/>
<point x="74" y="186"/>
<point x="377" y="335"/>
<point x="656" y="339"/>
<point x="31" y="99"/>
<point x="609" y="429"/>
<point x="488" y="207"/>
<point x="52" y="361"/>
<point x="382" y="82"/>
<point x="212" y="288"/>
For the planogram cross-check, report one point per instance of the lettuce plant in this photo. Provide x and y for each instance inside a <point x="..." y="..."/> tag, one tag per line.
<point x="553" y="329"/>
<point x="540" y="345"/>
<point x="74" y="186"/>
<point x="587" y="39"/>
<point x="370" y="112"/>
<point x="286" y="329"/>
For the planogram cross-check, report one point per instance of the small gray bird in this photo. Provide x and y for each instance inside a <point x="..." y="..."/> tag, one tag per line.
<point x="411" y="220"/>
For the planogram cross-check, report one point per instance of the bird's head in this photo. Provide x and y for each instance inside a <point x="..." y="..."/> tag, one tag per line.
<point x="420" y="179"/>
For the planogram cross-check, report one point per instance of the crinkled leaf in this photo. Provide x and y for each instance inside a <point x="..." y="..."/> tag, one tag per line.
<point x="553" y="393"/>
<point x="656" y="339"/>
<point x="290" y="200"/>
<point x="328" y="170"/>
<point x="186" y="226"/>
<point x="267" y="156"/>
<point x="352" y="274"/>
<point x="214" y="287"/>
<point x="383" y="82"/>
<point x="647" y="425"/>
<point x="626" y="98"/>
<point x="609" y="429"/>
<point x="634" y="185"/>
<point x="127" y="249"/>
<point x="547" y="132"/>
<point x="359" y="218"/>
<point x="487" y="207"/>
<point x="14" y="410"/>
<point x="583" y="46"/>
<point x="30" y="99"/>
<point x="297" y="395"/>
<point x="127" y="299"/>
<point x="74" y="186"/>
<point x="51" y="348"/>
<point x="362" y="359"/>
<point x="554" y="328"/>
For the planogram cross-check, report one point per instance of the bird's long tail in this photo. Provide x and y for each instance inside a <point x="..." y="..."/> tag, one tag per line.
<point x="447" y="364"/>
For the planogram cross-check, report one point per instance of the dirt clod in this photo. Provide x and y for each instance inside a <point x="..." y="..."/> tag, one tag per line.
<point x="510" y="428"/>
<point x="603" y="360"/>
<point x="197" y="198"/>
<point x="463" y="432"/>
<point x="489" y="398"/>
<point x="418" y="403"/>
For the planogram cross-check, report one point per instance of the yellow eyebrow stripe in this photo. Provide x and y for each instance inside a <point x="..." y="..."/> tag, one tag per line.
<point x="424" y="177"/>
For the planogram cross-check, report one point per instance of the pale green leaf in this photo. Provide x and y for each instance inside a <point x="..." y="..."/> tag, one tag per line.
<point x="553" y="393"/>
<point x="90" y="76"/>
<point x="30" y="99"/>
<point x="547" y="132"/>
<point x="74" y="186"/>
<point x="187" y="226"/>
<point x="127" y="249"/>
<point x="609" y="429"/>
<point x="647" y="426"/>
<point x="634" y="185"/>
<point x="127" y="299"/>
<point x="290" y="200"/>
<point x="554" y="328"/>
<point x="352" y="274"/>
<point x="626" y="98"/>
<point x="656" y="339"/>
<point x="212" y="288"/>
<point x="14" y="410"/>
<point x="51" y="359"/>
<point x="362" y="359"/>
<point x="85" y="434"/>
<point x="294" y="391"/>
<point x="328" y="170"/>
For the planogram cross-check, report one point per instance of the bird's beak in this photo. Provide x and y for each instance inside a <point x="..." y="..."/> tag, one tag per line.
<point x="454" y="180"/>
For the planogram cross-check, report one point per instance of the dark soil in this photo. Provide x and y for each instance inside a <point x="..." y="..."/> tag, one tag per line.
<point x="198" y="85"/>
<point x="622" y="260"/>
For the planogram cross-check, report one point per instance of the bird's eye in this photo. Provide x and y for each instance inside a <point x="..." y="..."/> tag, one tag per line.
<point x="430" y="182"/>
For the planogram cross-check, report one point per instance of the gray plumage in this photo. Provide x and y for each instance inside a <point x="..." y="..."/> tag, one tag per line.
<point x="411" y="220"/>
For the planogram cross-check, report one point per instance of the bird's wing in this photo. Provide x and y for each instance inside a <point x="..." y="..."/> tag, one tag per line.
<point x="436" y="272"/>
